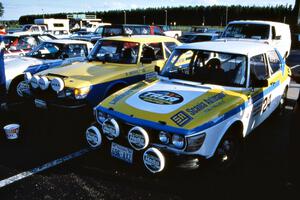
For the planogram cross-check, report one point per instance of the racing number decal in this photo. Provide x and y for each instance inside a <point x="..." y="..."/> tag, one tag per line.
<point x="266" y="103"/>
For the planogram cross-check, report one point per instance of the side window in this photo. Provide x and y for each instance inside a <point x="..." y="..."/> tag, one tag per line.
<point x="76" y="50"/>
<point x="158" y="50"/>
<point x="258" y="68"/>
<point x="35" y="29"/>
<point x="273" y="33"/>
<point x="170" y="46"/>
<point x="43" y="28"/>
<point x="274" y="61"/>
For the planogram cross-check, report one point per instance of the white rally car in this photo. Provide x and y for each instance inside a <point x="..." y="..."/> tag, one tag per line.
<point x="208" y="98"/>
<point x="47" y="55"/>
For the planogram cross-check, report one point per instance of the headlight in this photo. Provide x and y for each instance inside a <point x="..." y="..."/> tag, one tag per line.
<point x="100" y="116"/>
<point x="164" y="137"/>
<point x="195" y="142"/>
<point x="178" y="141"/>
<point x="111" y="129"/>
<point x="81" y="93"/>
<point x="35" y="81"/>
<point x="57" y="84"/>
<point x="44" y="83"/>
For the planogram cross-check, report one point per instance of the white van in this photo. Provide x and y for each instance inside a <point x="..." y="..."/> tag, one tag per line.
<point x="273" y="33"/>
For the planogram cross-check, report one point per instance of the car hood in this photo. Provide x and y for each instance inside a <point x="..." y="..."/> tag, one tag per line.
<point x="174" y="104"/>
<point x="87" y="73"/>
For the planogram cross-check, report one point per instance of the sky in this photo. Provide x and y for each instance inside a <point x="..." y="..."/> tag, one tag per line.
<point x="13" y="9"/>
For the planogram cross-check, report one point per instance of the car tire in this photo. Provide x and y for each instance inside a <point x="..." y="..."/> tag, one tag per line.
<point x="283" y="101"/>
<point x="228" y="151"/>
<point x="14" y="93"/>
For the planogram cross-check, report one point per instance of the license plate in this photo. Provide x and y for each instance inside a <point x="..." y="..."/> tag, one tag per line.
<point x="40" y="103"/>
<point x="121" y="152"/>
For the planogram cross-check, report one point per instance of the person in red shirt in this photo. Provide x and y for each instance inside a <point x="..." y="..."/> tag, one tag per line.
<point x="2" y="30"/>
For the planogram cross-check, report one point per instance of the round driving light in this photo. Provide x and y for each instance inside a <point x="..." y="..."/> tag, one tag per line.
<point x="93" y="136"/>
<point x="138" y="138"/>
<point x="35" y="81"/>
<point x="44" y="83"/>
<point x="178" y="141"/>
<point x="154" y="160"/>
<point x="164" y="137"/>
<point x="27" y="77"/>
<point x="57" y="84"/>
<point x="111" y="129"/>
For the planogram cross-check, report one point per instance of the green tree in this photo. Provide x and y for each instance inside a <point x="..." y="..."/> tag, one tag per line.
<point x="1" y="9"/>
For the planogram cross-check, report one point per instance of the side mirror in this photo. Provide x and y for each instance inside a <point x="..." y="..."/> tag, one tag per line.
<point x="260" y="83"/>
<point x="146" y="60"/>
<point x="157" y="69"/>
<point x="278" y="37"/>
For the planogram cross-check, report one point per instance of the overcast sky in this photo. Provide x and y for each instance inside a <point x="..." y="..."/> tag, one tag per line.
<point x="13" y="9"/>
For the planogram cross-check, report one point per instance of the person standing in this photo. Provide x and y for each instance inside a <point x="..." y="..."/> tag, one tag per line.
<point x="2" y="69"/>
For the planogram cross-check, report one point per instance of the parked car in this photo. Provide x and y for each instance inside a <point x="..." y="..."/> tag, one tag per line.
<point x="34" y="28"/>
<point x="198" y="37"/>
<point x="273" y="33"/>
<point x="47" y="55"/>
<point x="114" y="63"/>
<point x="19" y="44"/>
<point x="88" y="36"/>
<point x="169" y="32"/>
<point x="123" y="29"/>
<point x="208" y="98"/>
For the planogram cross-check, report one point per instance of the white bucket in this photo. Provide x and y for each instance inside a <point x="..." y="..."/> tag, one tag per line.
<point x="12" y="131"/>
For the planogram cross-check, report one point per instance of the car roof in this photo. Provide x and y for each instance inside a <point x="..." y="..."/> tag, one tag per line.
<point x="205" y="34"/>
<point x="235" y="47"/>
<point x="142" y="38"/>
<point x="65" y="41"/>
<point x="256" y="22"/>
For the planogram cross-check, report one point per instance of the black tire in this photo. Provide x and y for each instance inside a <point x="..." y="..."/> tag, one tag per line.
<point x="13" y="95"/>
<point x="283" y="101"/>
<point x="228" y="151"/>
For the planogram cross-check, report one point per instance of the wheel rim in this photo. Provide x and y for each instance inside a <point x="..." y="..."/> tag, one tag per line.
<point x="283" y="101"/>
<point x="20" y="88"/>
<point x="226" y="152"/>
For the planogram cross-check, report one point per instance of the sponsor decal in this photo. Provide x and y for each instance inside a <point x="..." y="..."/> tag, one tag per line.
<point x="181" y="118"/>
<point x="161" y="97"/>
<point x="151" y="76"/>
<point x="127" y="93"/>
<point x="206" y="103"/>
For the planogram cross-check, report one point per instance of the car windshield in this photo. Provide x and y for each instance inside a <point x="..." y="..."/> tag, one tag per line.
<point x="249" y="31"/>
<point x="116" y="52"/>
<point x="47" y="50"/>
<point x="17" y="43"/>
<point x="207" y="67"/>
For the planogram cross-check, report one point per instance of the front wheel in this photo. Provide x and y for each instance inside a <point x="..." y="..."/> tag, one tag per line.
<point x="15" y="92"/>
<point x="283" y="101"/>
<point x="227" y="152"/>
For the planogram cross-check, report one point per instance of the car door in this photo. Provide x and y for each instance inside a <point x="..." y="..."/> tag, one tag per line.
<point x="276" y="67"/>
<point x="261" y="96"/>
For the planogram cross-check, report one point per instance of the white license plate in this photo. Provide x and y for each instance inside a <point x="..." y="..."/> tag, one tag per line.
<point x="40" y="103"/>
<point x="121" y="152"/>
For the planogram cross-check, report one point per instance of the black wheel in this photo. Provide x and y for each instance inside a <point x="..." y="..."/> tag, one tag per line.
<point x="15" y="93"/>
<point x="228" y="150"/>
<point x="283" y="101"/>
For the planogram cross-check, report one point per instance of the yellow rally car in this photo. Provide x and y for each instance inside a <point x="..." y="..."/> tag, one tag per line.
<point x="208" y="97"/>
<point x="114" y="63"/>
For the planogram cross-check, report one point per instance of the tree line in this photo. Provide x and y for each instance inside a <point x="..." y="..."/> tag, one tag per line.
<point x="188" y="15"/>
